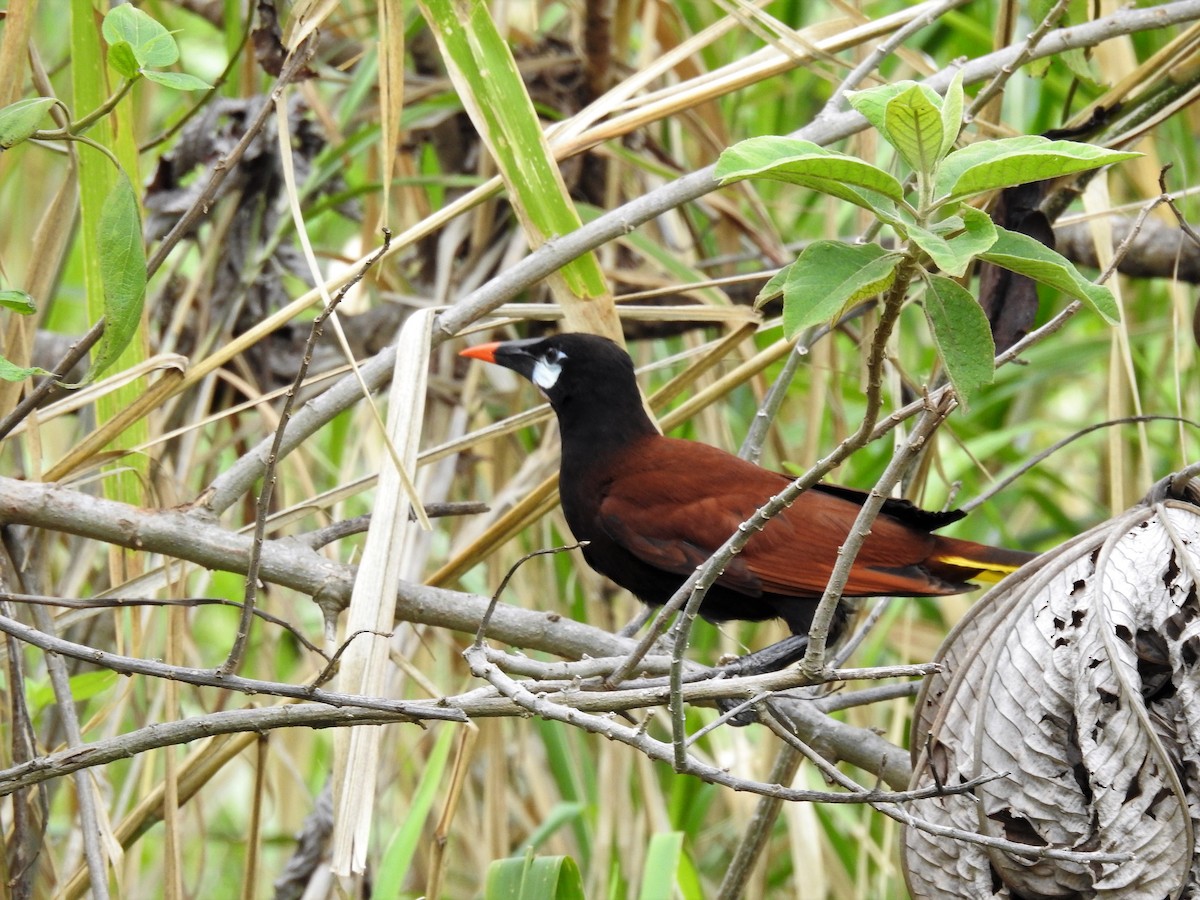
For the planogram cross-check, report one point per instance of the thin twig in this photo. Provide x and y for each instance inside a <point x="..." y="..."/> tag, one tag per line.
<point x="903" y="458"/>
<point x="336" y="531"/>
<point x="756" y="434"/>
<point x="27" y="839"/>
<point x="1169" y="199"/>
<point x="76" y="352"/>
<point x="86" y="794"/>
<point x="883" y="51"/>
<point x="881" y="693"/>
<point x="1031" y="463"/>
<point x="130" y="602"/>
<point x="263" y="507"/>
<point x="330" y="670"/>
<point x="1025" y="54"/>
<point x="168" y="734"/>
<point x="481" y="632"/>
<point x="128" y="665"/>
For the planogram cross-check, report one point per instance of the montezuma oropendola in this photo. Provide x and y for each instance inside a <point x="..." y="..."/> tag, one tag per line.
<point x="653" y="508"/>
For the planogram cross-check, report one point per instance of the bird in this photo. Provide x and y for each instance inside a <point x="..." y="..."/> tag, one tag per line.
<point x="651" y="508"/>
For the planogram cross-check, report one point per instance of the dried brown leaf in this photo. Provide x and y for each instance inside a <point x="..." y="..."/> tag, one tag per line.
<point x="1075" y="685"/>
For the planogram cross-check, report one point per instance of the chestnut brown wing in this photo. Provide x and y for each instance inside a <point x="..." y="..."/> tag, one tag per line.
<point x="682" y="500"/>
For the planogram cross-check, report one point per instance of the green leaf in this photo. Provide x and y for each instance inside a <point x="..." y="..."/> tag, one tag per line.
<point x="9" y="371"/>
<point x="807" y="164"/>
<point x="123" y="60"/>
<point x="84" y="686"/>
<point x="872" y="104"/>
<point x="152" y="45"/>
<point x="18" y="121"/>
<point x="662" y="863"/>
<point x="828" y="276"/>
<point x="158" y="52"/>
<point x="774" y="286"/>
<point x="962" y="334"/>
<point x="989" y="165"/>
<point x="18" y="301"/>
<point x="179" y="81"/>
<point x="534" y="878"/>
<point x="1025" y="256"/>
<point x="122" y="270"/>
<point x="952" y="244"/>
<point x="952" y="112"/>
<point x="914" y="123"/>
<point x="397" y="858"/>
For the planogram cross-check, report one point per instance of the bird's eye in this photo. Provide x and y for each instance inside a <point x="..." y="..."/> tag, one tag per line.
<point x="547" y="369"/>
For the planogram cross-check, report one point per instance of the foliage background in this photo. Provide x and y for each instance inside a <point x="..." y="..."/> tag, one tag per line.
<point x="451" y="799"/>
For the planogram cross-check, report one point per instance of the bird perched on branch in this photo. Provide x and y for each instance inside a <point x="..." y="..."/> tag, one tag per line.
<point x="653" y="508"/>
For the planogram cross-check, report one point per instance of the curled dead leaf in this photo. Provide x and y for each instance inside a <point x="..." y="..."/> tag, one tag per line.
<point x="1075" y="685"/>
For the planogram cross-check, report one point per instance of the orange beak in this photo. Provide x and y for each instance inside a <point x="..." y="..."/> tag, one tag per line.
<point x="486" y="352"/>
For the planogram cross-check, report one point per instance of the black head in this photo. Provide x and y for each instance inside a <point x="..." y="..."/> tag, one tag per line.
<point x="586" y="378"/>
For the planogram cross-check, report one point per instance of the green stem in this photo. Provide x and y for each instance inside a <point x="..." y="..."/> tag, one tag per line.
<point x="74" y="129"/>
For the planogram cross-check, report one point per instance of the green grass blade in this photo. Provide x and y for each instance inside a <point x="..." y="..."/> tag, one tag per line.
<point x="534" y="878"/>
<point x="494" y="95"/>
<point x="97" y="178"/>
<point x="402" y="846"/>
<point x="662" y="862"/>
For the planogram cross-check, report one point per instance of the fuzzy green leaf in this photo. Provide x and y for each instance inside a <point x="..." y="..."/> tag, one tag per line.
<point x="152" y="45"/>
<point x="806" y="164"/>
<point x="952" y="244"/>
<point x="872" y="103"/>
<point x="989" y="165"/>
<point x="774" y="286"/>
<point x="914" y="123"/>
<point x="18" y="121"/>
<point x="952" y="111"/>
<point x="179" y="81"/>
<point x="123" y="60"/>
<point x="828" y="276"/>
<point x="1025" y="256"/>
<point x="122" y="270"/>
<point x="963" y="336"/>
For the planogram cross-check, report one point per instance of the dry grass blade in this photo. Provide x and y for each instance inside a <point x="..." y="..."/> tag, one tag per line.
<point x="391" y="93"/>
<point x="390" y="553"/>
<point x="51" y="240"/>
<point x="289" y="174"/>
<point x="306" y="17"/>
<point x="89" y="449"/>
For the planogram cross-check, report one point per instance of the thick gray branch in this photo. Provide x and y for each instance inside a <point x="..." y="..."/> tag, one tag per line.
<point x="193" y="537"/>
<point x="196" y="538"/>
